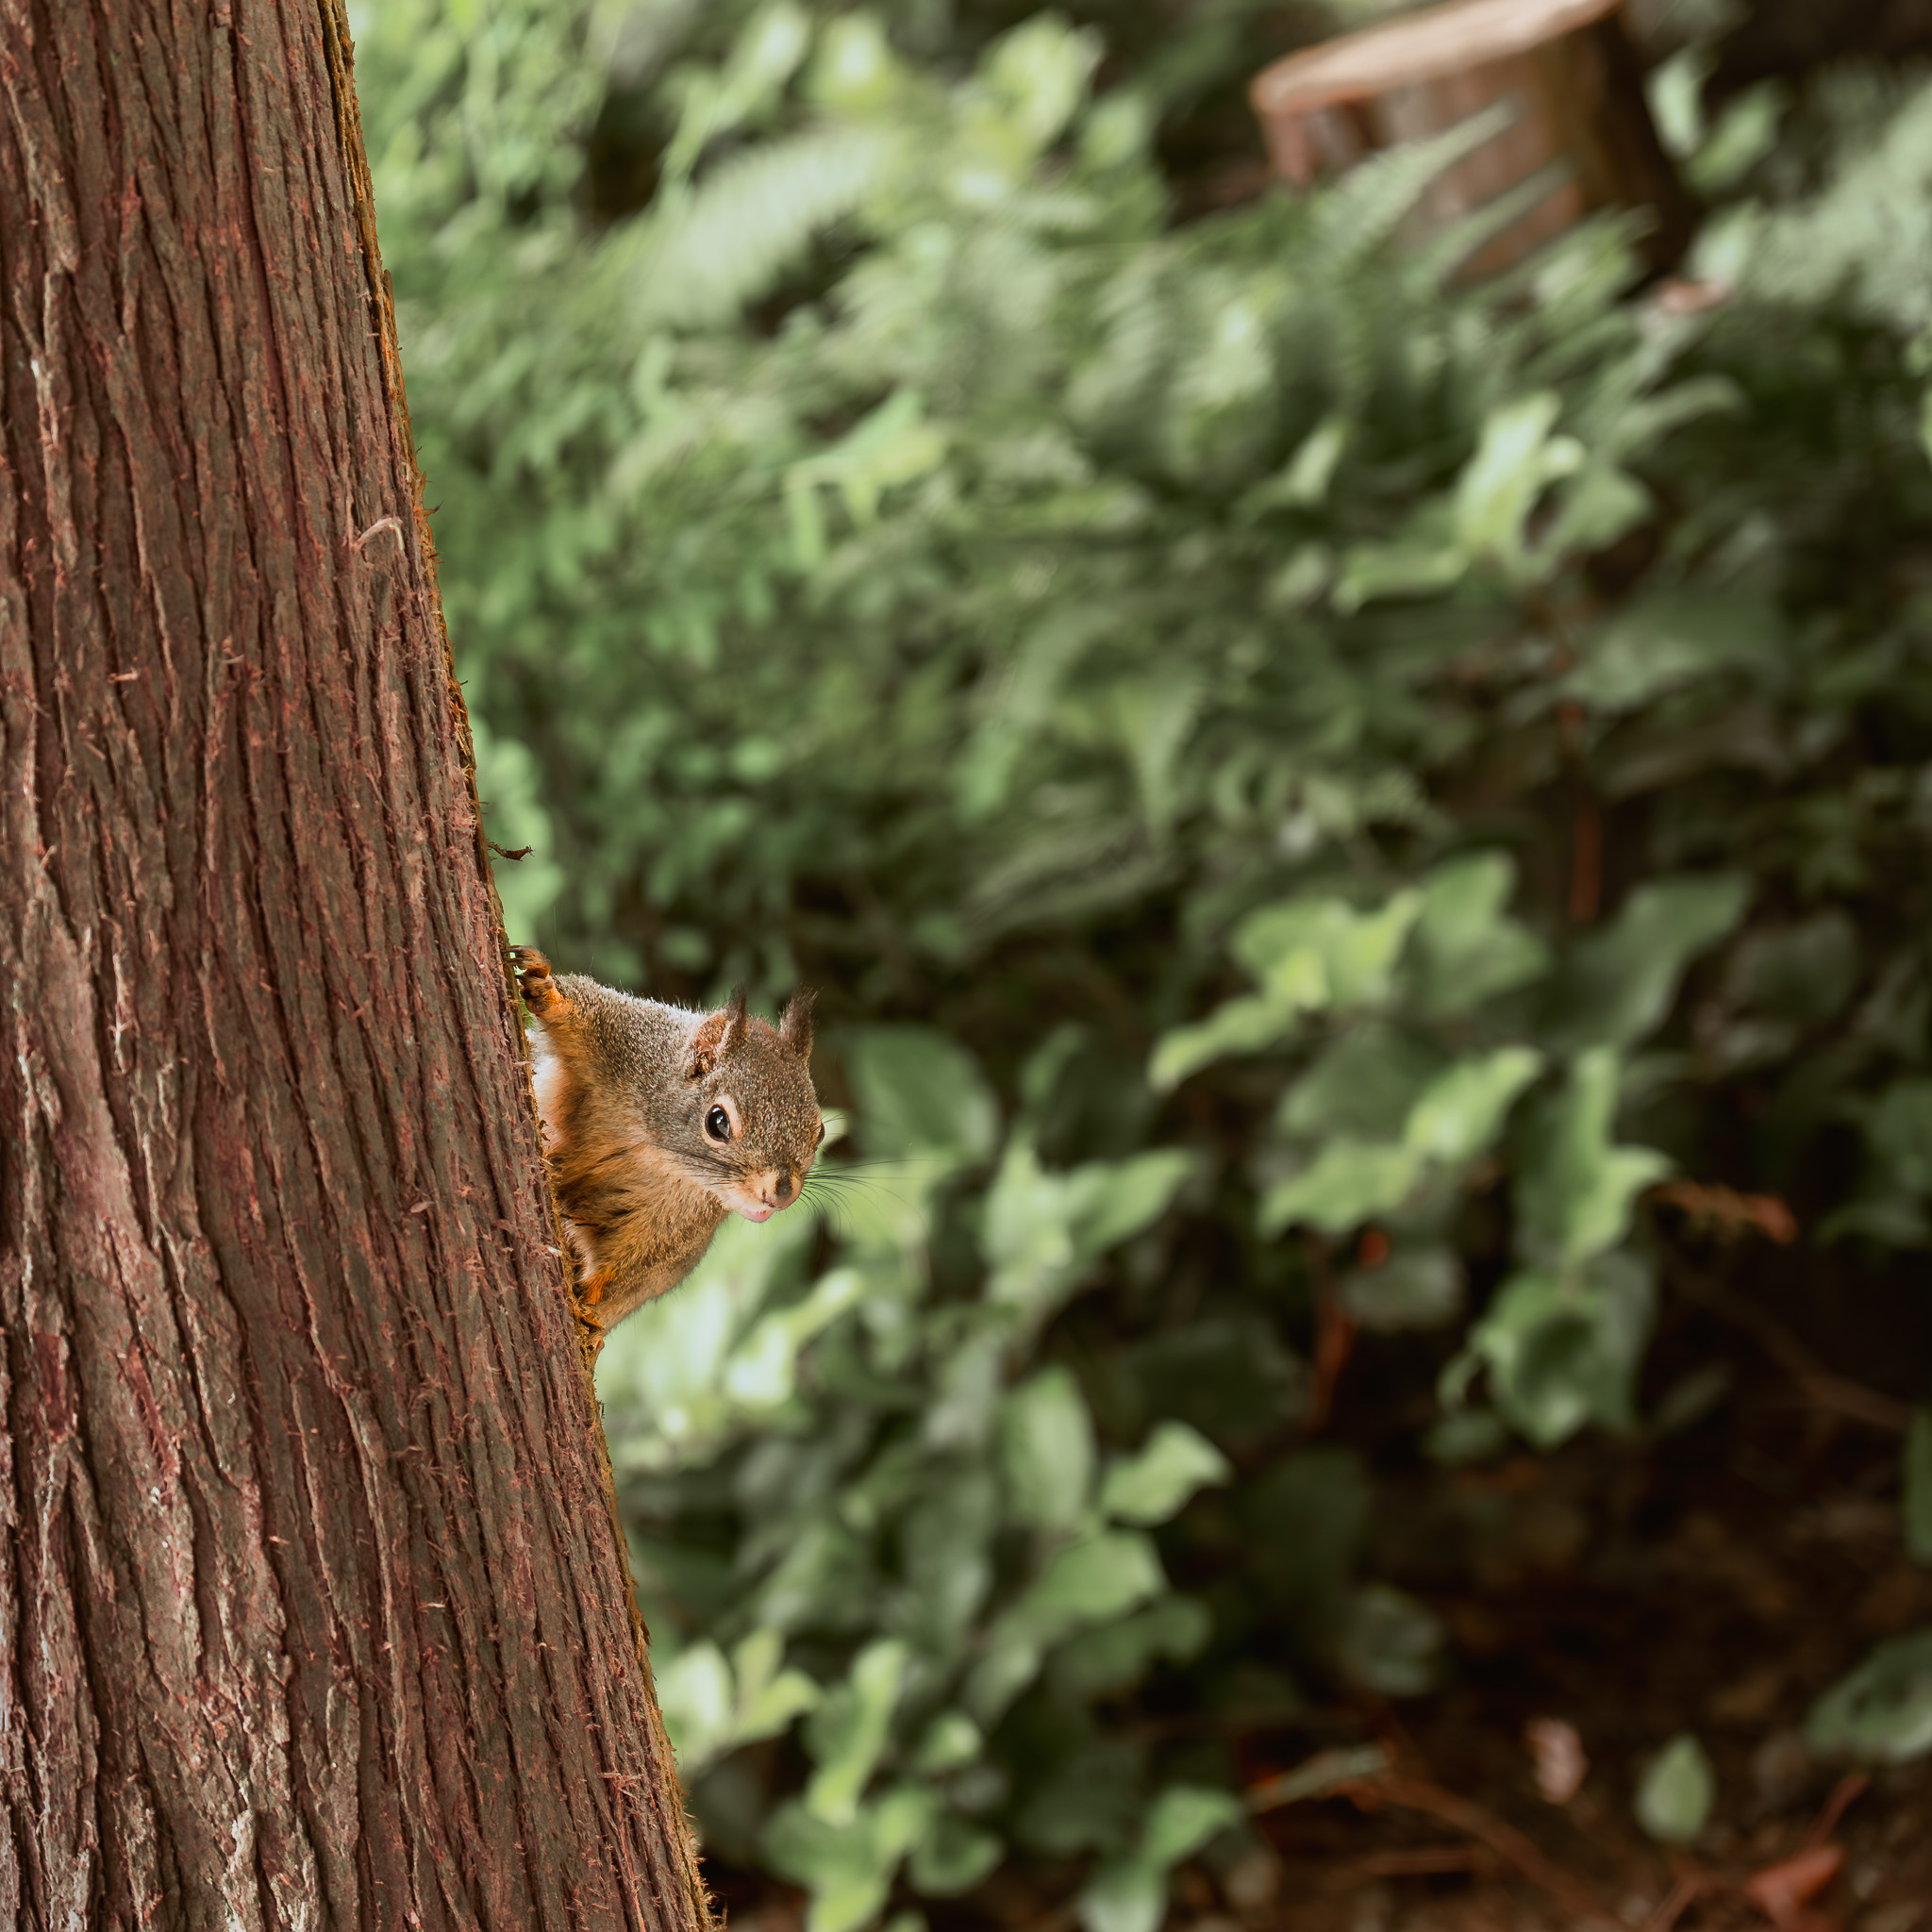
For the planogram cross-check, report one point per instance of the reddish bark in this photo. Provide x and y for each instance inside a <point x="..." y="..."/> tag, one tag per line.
<point x="311" y="1605"/>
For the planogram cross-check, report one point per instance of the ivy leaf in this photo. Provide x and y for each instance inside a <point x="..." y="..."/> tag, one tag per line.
<point x="1047" y="1443"/>
<point x="1151" y="1487"/>
<point x="1462" y="1111"/>
<point x="1129" y="1894"/>
<point x="1658" y="643"/>
<point x="1563" y="1350"/>
<point x="849" y="1867"/>
<point x="953" y="1858"/>
<point x="1250" y="1024"/>
<point x="1044" y="1231"/>
<point x="767" y="1698"/>
<point x="1414" y="1287"/>
<point x="1466" y="949"/>
<point x="919" y="1093"/>
<point x="1349" y="1182"/>
<point x="1325" y="954"/>
<point x="1575" y="1188"/>
<point x="694" y="1695"/>
<point x="1088" y="1582"/>
<point x="1882" y="1711"/>
<point x="1364" y="1084"/>
<point x="848" y="1731"/>
<point x="1616" y="987"/>
<point x="1674" y="1797"/>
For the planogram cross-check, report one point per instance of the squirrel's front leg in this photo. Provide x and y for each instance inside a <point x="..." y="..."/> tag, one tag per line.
<point x="643" y="1256"/>
<point x="558" y="1079"/>
<point x="539" y="990"/>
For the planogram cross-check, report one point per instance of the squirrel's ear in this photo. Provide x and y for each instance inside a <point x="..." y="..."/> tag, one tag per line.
<point x="794" y="1028"/>
<point x="715" y="1036"/>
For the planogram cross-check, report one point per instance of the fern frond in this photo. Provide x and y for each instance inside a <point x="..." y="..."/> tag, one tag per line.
<point x="743" y="227"/>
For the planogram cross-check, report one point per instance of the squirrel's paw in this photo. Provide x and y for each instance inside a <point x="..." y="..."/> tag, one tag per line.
<point x="533" y="977"/>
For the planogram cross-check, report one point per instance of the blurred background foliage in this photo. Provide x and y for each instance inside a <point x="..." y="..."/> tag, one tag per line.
<point x="1323" y="806"/>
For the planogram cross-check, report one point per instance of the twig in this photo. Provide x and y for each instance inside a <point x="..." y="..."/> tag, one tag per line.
<point x="1844" y="1792"/>
<point x="1419" y="1794"/>
<point x="1422" y="1862"/>
<point x="1828" y="1390"/>
<point x="1676" y="1901"/>
<point x="522" y="851"/>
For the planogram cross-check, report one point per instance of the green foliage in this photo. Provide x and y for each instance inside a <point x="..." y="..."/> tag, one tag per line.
<point x="1294" y="781"/>
<point x="1882" y="1713"/>
<point x="1675" y="1793"/>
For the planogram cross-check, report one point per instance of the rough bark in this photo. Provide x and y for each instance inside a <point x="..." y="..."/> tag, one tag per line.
<point x="1582" y="127"/>
<point x="313" y="1607"/>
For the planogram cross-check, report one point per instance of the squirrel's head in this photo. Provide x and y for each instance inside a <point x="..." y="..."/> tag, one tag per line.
<point x="753" y="1120"/>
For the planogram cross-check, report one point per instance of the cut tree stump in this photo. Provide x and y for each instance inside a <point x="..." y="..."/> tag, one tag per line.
<point x="1581" y="118"/>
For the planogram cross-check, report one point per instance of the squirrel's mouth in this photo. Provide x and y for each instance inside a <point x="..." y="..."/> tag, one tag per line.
<point x="761" y="1212"/>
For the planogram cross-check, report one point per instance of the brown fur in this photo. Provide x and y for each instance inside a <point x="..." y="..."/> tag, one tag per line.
<point x="625" y="1086"/>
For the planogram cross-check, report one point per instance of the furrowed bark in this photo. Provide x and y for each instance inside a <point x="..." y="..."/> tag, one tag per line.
<point x="313" y="1607"/>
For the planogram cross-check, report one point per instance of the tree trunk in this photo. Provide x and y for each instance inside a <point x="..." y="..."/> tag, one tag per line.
<point x="1581" y="137"/>
<point x="312" y="1607"/>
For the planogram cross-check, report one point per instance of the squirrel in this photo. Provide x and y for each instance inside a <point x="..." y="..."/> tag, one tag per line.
<point x="658" y="1122"/>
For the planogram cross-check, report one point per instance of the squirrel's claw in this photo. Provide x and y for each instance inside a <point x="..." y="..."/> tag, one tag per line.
<point x="533" y="978"/>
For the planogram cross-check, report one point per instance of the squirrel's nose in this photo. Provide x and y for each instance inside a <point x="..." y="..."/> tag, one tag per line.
<point x="782" y="1186"/>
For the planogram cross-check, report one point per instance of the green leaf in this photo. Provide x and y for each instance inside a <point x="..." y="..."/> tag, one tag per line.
<point x="1462" y="1111"/>
<point x="1040" y="74"/>
<point x="668" y="1364"/>
<point x="1364" y="1084"/>
<point x="1324" y="954"/>
<point x="1151" y="1487"/>
<point x="954" y="1858"/>
<point x="730" y="240"/>
<point x="1350" y="1182"/>
<point x="762" y="1369"/>
<point x="848" y="1731"/>
<point x="1047" y="1437"/>
<point x="1183" y="1818"/>
<point x="1311" y="955"/>
<point x="1414" y="1287"/>
<point x="1043" y="1232"/>
<point x="1882" y="1711"/>
<point x="1516" y="461"/>
<point x="1617" y="986"/>
<point x="1115" y="1657"/>
<point x="1249" y="1024"/>
<point x="694" y="1695"/>
<point x="1575" y="1188"/>
<point x="1898" y="1131"/>
<point x="848" y="1867"/>
<point x="951" y="1740"/>
<point x="1130" y="1894"/>
<point x="1465" y="948"/>
<point x="767" y="1698"/>
<point x="1675" y="1794"/>
<point x="1656" y="644"/>
<point x="1563" y="1350"/>
<point x="1804" y="972"/>
<point x="920" y="1093"/>
<point x="1089" y="1581"/>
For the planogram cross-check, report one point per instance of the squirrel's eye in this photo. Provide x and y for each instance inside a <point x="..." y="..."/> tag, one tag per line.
<point x="718" y="1124"/>
<point x="817" y="1138"/>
